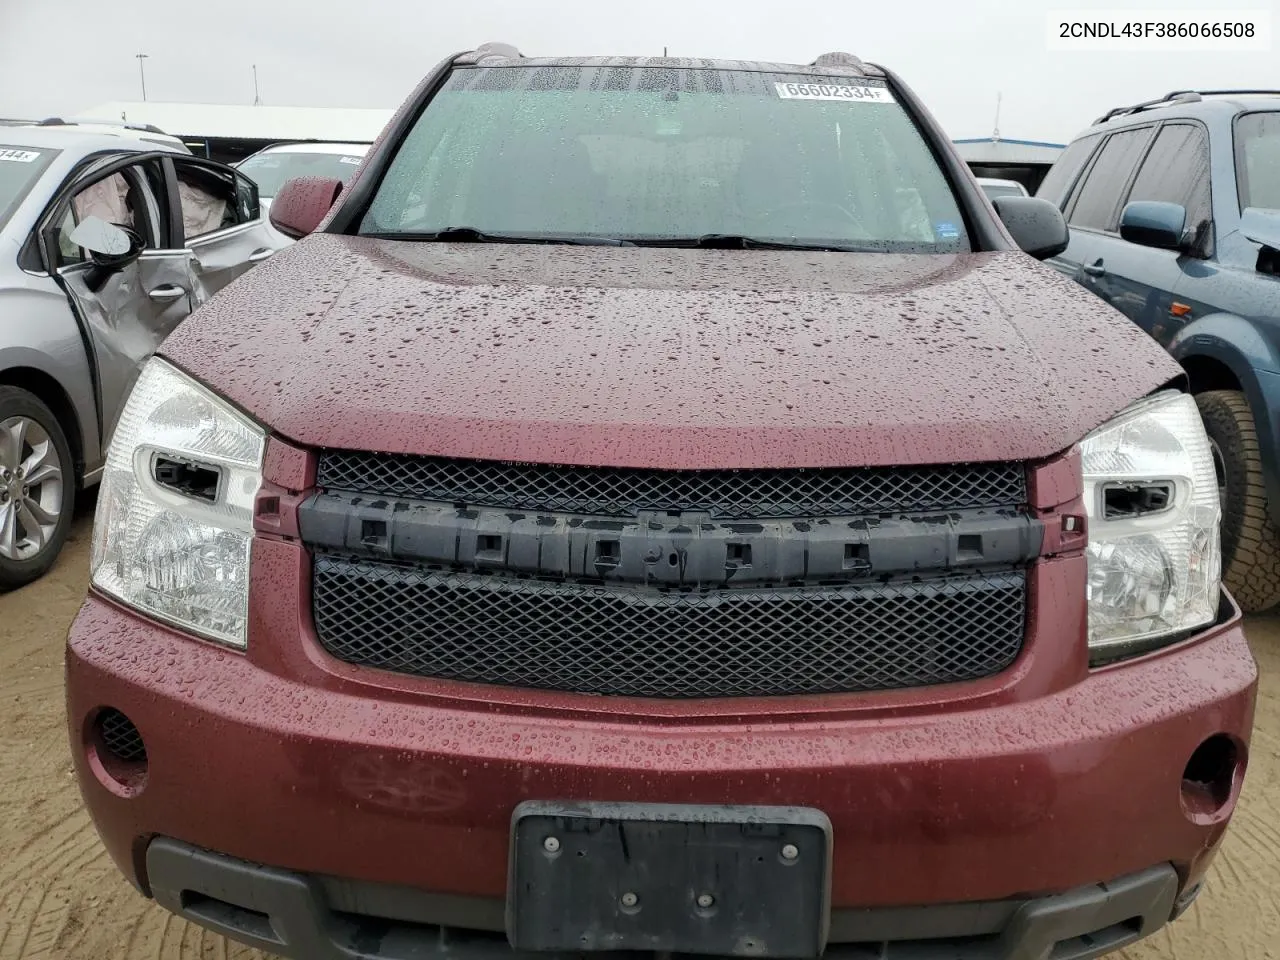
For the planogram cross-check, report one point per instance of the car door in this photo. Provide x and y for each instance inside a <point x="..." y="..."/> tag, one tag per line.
<point x="1142" y="280"/>
<point x="1093" y="210"/>
<point x="124" y="313"/>
<point x="220" y="220"/>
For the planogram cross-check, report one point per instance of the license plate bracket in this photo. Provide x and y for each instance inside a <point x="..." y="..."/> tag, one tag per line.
<point x="622" y="876"/>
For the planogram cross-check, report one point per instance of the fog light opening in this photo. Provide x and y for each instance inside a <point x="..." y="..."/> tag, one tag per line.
<point x="117" y="753"/>
<point x="1211" y="779"/>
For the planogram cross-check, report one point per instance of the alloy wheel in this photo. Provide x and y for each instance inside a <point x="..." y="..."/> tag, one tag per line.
<point x="31" y="479"/>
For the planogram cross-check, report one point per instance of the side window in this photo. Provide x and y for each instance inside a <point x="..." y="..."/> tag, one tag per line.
<point x="1177" y="171"/>
<point x="213" y="198"/>
<point x="1097" y="201"/>
<point x="1257" y="137"/>
<point x="120" y="199"/>
<point x="1062" y="174"/>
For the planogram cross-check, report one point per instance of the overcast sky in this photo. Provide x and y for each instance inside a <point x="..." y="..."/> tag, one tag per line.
<point x="66" y="56"/>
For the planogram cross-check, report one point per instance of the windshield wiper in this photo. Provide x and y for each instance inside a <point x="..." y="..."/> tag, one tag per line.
<point x="472" y="235"/>
<point x="735" y="241"/>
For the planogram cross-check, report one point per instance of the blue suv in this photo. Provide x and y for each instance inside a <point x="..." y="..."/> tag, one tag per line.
<point x="1174" y="212"/>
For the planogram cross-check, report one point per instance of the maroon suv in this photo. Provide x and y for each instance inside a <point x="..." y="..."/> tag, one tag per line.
<point x="663" y="507"/>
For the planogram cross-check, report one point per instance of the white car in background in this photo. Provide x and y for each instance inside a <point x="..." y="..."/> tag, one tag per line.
<point x="1001" y="188"/>
<point x="273" y="166"/>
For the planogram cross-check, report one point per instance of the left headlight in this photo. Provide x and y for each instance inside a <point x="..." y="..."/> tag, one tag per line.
<point x="174" y="525"/>
<point x="1154" y="553"/>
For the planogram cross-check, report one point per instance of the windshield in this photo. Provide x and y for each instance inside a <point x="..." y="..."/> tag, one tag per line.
<point x="270" y="171"/>
<point x="20" y="168"/>
<point x="1258" y="160"/>
<point x="654" y="154"/>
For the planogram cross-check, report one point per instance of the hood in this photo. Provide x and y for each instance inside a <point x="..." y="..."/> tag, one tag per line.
<point x="683" y="359"/>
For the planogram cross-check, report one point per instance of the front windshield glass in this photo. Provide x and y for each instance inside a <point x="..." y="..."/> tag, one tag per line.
<point x="1258" y="160"/>
<point x="20" y="168"/>
<point x="654" y="154"/>
<point x="271" y="170"/>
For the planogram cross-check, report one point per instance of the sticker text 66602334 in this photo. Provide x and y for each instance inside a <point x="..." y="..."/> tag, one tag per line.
<point x="849" y="92"/>
<point x="18" y="156"/>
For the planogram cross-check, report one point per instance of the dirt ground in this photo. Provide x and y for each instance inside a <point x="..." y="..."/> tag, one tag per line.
<point x="61" y="897"/>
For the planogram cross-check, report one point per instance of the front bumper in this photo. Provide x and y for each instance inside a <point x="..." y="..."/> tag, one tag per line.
<point x="318" y="918"/>
<point x="285" y="758"/>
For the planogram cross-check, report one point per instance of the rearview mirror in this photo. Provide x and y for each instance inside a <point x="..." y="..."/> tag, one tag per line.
<point x="110" y="245"/>
<point x="1036" y="225"/>
<point x="302" y="204"/>
<point x="1154" y="223"/>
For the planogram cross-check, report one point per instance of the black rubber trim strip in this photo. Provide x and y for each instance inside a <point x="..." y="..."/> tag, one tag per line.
<point x="309" y="918"/>
<point x="708" y="552"/>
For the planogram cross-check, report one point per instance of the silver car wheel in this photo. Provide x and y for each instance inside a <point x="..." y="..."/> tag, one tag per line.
<point x="31" y="478"/>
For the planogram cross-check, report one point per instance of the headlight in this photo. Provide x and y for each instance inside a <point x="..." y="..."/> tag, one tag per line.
<point x="175" y="512"/>
<point x="1155" y="559"/>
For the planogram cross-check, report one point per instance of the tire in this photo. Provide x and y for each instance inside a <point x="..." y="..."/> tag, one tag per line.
<point x="1250" y="543"/>
<point x="24" y="558"/>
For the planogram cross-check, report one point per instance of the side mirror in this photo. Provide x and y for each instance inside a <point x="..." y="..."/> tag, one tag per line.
<point x="1036" y="225"/>
<point x="110" y="245"/>
<point x="1153" y="223"/>
<point x="302" y="204"/>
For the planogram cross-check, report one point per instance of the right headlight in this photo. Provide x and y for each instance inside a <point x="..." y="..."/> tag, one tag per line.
<point x="1154" y="553"/>
<point x="174" y="529"/>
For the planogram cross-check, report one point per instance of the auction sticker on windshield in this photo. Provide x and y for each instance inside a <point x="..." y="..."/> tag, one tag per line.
<point x="859" y="93"/>
<point x="19" y="156"/>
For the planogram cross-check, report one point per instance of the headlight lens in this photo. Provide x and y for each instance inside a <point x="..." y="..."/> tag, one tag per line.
<point x="1155" y="560"/>
<point x="182" y="559"/>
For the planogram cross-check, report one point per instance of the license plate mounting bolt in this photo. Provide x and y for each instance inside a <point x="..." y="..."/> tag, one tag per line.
<point x="790" y="852"/>
<point x="551" y="844"/>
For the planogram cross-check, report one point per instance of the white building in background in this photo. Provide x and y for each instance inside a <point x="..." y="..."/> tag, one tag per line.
<point x="231" y="131"/>
<point x="1026" y="161"/>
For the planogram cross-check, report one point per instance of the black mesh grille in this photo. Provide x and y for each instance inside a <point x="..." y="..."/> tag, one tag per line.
<point x="741" y="494"/>
<point x="120" y="737"/>
<point x="588" y="639"/>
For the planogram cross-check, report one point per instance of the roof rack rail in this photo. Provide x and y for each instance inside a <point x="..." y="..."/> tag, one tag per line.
<point x="490" y="51"/>
<point x="1180" y="96"/>
<point x="140" y="127"/>
<point x="838" y="58"/>
<point x="1177" y="96"/>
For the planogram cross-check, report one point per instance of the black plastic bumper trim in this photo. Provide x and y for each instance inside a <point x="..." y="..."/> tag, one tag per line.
<point x="317" y="918"/>
<point x="708" y="552"/>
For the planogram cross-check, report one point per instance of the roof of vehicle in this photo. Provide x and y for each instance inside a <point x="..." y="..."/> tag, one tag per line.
<point x="315" y="146"/>
<point x="1190" y="103"/>
<point x="830" y="69"/>
<point x="85" y="139"/>
<point x="828" y="64"/>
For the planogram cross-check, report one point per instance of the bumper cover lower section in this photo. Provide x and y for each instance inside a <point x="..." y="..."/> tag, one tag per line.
<point x="313" y="918"/>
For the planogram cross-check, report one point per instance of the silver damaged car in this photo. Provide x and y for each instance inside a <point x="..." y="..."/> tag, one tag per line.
<point x="108" y="241"/>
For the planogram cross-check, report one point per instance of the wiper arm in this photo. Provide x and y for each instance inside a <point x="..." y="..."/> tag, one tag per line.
<point x="735" y="241"/>
<point x="472" y="235"/>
